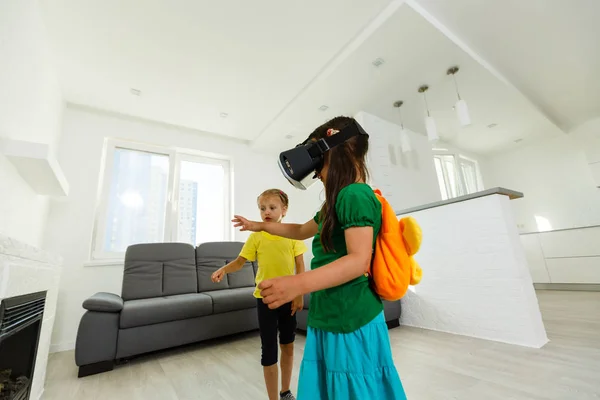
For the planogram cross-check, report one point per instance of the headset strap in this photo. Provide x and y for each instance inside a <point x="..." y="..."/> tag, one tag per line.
<point x="323" y="145"/>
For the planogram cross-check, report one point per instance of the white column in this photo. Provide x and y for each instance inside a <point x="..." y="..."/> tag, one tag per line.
<point x="475" y="276"/>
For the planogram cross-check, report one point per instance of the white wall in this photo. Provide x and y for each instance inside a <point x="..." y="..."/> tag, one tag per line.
<point x="588" y="137"/>
<point x="30" y="109"/>
<point x="70" y="221"/>
<point x="405" y="179"/>
<point x="556" y="179"/>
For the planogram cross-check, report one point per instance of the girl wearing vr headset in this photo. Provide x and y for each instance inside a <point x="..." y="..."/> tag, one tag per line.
<point x="347" y="353"/>
<point x="276" y="257"/>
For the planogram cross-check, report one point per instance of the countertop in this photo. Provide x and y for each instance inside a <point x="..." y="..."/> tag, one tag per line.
<point x="489" y="192"/>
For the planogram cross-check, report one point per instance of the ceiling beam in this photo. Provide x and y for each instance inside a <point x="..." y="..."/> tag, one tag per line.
<point x="484" y="63"/>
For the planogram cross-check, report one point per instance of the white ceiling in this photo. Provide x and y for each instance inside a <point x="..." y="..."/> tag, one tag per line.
<point x="548" y="49"/>
<point x="195" y="59"/>
<point x="415" y="52"/>
<point x="270" y="64"/>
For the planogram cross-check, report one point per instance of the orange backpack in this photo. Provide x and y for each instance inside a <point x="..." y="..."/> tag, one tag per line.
<point x="393" y="267"/>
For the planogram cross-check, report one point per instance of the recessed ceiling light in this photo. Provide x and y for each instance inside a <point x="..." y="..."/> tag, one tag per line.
<point x="492" y="126"/>
<point x="135" y="92"/>
<point x="324" y="108"/>
<point x="224" y="115"/>
<point x="378" y="62"/>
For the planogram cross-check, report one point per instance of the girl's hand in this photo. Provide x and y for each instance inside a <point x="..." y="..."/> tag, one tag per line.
<point x="246" y="225"/>
<point x="279" y="291"/>
<point x="297" y="304"/>
<point x="218" y="275"/>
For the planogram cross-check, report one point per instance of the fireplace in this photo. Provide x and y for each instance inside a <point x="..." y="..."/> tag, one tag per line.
<point x="20" y="324"/>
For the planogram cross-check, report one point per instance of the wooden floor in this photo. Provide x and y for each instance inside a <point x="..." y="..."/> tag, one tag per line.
<point x="432" y="365"/>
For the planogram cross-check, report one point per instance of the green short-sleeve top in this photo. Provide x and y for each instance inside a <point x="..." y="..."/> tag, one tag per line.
<point x="350" y="306"/>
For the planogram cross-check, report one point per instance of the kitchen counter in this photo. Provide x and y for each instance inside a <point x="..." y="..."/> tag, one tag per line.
<point x="476" y="279"/>
<point x="511" y="194"/>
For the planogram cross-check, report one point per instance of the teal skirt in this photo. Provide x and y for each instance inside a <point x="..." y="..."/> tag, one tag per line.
<point x="348" y="366"/>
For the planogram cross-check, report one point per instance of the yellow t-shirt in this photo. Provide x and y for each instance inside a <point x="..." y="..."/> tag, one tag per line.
<point x="275" y="256"/>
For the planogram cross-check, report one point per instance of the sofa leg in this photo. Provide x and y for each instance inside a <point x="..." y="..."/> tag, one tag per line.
<point x="393" y="323"/>
<point x="96" y="368"/>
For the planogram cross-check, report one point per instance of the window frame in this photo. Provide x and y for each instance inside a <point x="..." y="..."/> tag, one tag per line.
<point x="458" y="161"/>
<point x="200" y="158"/>
<point x="175" y="157"/>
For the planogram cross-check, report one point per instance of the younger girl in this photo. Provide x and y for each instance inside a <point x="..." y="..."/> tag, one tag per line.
<point x="347" y="353"/>
<point x="276" y="257"/>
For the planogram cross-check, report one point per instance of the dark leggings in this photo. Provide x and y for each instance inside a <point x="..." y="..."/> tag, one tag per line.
<point x="269" y="322"/>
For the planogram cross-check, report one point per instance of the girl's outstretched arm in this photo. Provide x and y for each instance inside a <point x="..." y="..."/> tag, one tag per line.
<point x="290" y="231"/>
<point x="359" y="242"/>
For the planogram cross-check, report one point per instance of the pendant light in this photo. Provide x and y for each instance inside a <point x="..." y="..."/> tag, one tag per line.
<point x="462" y="111"/>
<point x="404" y="138"/>
<point x="429" y="121"/>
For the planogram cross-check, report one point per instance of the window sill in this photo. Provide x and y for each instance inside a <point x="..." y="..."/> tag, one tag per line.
<point x="104" y="263"/>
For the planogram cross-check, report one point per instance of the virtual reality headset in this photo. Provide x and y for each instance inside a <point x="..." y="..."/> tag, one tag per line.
<point x="302" y="164"/>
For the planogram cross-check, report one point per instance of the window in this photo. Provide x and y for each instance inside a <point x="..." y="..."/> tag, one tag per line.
<point x="457" y="175"/>
<point x="152" y="194"/>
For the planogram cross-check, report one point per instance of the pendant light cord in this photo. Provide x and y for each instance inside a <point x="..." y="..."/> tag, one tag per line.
<point x="426" y="104"/>
<point x="401" y="122"/>
<point x="456" y="86"/>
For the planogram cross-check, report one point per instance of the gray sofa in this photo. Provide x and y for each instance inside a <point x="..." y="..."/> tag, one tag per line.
<point x="167" y="300"/>
<point x="391" y="309"/>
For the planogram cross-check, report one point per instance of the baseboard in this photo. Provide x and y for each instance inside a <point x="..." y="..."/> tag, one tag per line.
<point x="58" y="347"/>
<point x="583" y="287"/>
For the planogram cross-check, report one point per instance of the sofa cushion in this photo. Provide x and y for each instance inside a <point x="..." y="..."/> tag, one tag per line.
<point x="206" y="267"/>
<point x="159" y="269"/>
<point x="164" y="309"/>
<point x="141" y="279"/>
<point x="212" y="256"/>
<point x="232" y="299"/>
<point x="242" y="278"/>
<point x="179" y="275"/>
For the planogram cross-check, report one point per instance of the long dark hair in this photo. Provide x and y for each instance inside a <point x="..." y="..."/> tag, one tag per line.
<point x="346" y="165"/>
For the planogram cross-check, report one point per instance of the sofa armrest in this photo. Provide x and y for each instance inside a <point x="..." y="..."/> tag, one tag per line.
<point x="96" y="338"/>
<point x="104" y="302"/>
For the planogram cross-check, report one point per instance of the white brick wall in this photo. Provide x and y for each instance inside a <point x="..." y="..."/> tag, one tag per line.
<point x="475" y="276"/>
<point x="26" y="269"/>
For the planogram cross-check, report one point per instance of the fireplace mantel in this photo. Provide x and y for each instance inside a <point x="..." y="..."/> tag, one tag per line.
<point x="26" y="269"/>
<point x="14" y="248"/>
